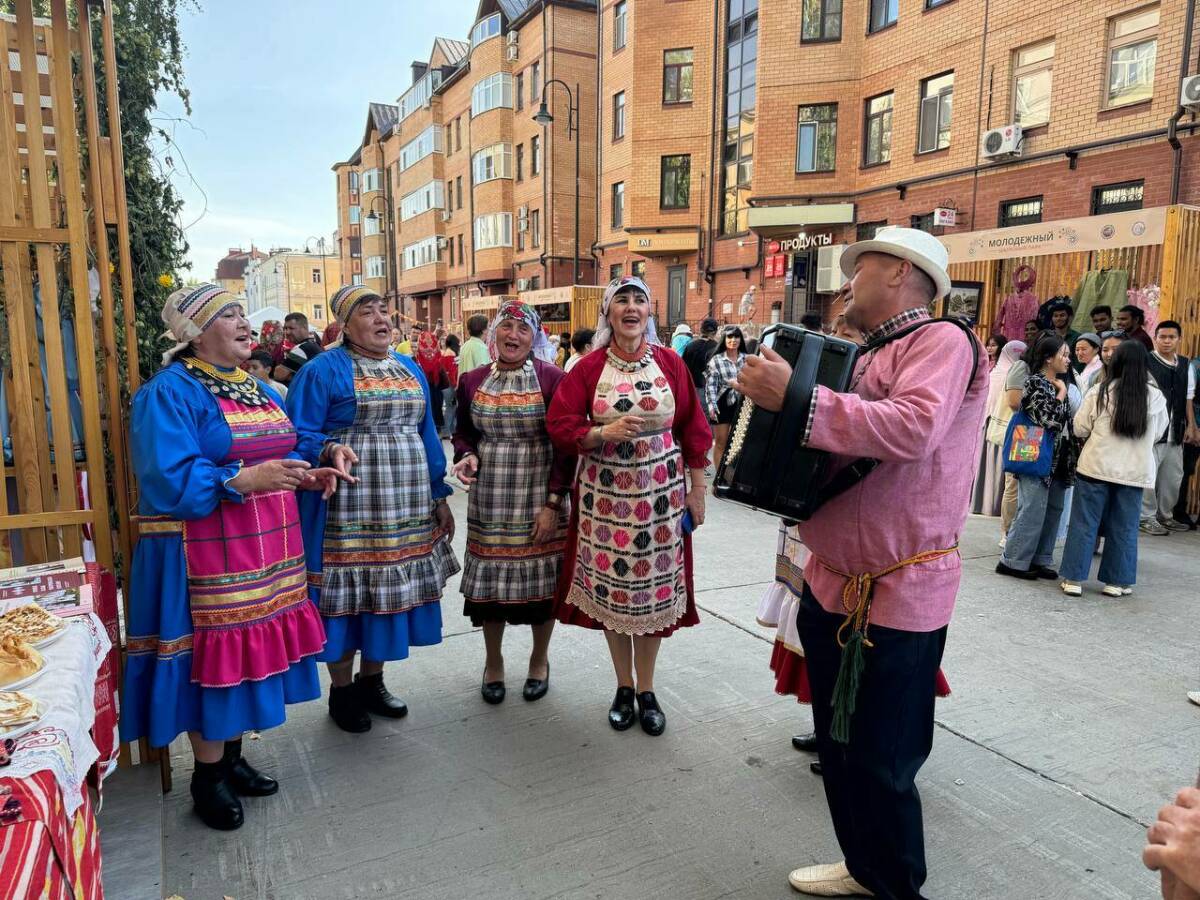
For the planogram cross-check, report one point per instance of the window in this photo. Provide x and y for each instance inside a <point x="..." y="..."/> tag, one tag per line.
<point x="449" y="141"/>
<point x="371" y="224"/>
<point x="520" y="162"/>
<point x="737" y="155"/>
<point x="535" y="155"/>
<point x="356" y="278"/>
<point x="816" y="138"/>
<point x="866" y="230"/>
<point x="427" y="142"/>
<point x="1110" y="198"/>
<point x="491" y="163"/>
<point x="375" y="267"/>
<point x="535" y="282"/>
<point x="535" y="227"/>
<point x="449" y="197"/>
<point x="1027" y="211"/>
<point x="316" y="276"/>
<point x="638" y="269"/>
<point x="675" y="182"/>
<point x="616" y="271"/>
<point x="923" y="222"/>
<point x="355" y="247"/>
<point x="937" y="98"/>
<point x="352" y="181"/>
<point x="485" y="29"/>
<point x="1132" y="51"/>
<point x="458" y="190"/>
<point x="821" y="20"/>
<point x="492" y="92"/>
<point x="419" y="94"/>
<point x="1033" y="73"/>
<point x="618" y="205"/>
<point x="461" y="258"/>
<point x="355" y="214"/>
<point x="934" y="4"/>
<point x="370" y="180"/>
<point x="519" y="91"/>
<point x="318" y="312"/>
<point x="422" y="200"/>
<point x="422" y="253"/>
<point x="877" y="130"/>
<point x="458" y="133"/>
<point x="522" y="230"/>
<point x="677" y="76"/>
<point x="618" y="123"/>
<point x="883" y="14"/>
<point x="619" y="22"/>
<point x="450" y="246"/>
<point x="493" y="230"/>
<point x="535" y="82"/>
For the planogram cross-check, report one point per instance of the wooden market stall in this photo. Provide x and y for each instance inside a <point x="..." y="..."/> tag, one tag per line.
<point x="566" y="308"/>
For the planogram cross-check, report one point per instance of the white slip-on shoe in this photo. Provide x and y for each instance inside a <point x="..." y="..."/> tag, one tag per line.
<point x="1071" y="589"/>
<point x="1194" y="696"/>
<point x="830" y="880"/>
<point x="1114" y="590"/>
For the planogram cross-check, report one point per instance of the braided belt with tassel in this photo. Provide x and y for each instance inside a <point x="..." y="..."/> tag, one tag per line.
<point x="856" y="600"/>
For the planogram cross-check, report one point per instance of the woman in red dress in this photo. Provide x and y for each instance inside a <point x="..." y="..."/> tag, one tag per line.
<point x="629" y="410"/>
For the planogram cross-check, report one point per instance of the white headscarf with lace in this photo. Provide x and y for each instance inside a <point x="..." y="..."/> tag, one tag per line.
<point x="604" y="332"/>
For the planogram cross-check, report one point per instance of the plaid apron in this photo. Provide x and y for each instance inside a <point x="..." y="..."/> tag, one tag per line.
<point x="629" y="572"/>
<point x="382" y="552"/>
<point x="502" y="564"/>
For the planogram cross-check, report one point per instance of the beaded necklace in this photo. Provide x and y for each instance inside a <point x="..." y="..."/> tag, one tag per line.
<point x="526" y="366"/>
<point x="236" y="384"/>
<point x="621" y="364"/>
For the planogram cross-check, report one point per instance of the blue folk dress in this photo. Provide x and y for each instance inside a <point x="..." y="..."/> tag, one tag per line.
<point x="219" y="651"/>
<point x="377" y="564"/>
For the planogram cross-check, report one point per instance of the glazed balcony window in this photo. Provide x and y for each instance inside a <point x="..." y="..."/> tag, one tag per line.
<point x="485" y="30"/>
<point x="422" y="200"/>
<point x="421" y="253"/>
<point x="491" y="163"/>
<point x="419" y="94"/>
<point x="427" y="142"/>
<point x="493" y="92"/>
<point x="493" y="230"/>
<point x="370" y="180"/>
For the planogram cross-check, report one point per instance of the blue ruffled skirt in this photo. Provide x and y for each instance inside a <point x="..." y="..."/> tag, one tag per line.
<point x="382" y="637"/>
<point x="160" y="701"/>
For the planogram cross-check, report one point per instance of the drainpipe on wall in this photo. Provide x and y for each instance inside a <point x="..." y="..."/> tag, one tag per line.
<point x="710" y="232"/>
<point x="1173" y="122"/>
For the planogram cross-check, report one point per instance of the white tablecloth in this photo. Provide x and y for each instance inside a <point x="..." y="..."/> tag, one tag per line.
<point x="67" y="691"/>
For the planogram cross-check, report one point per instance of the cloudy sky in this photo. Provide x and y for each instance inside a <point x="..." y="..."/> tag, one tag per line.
<point x="279" y="93"/>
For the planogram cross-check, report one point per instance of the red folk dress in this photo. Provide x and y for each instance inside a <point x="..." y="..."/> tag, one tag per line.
<point x="628" y="564"/>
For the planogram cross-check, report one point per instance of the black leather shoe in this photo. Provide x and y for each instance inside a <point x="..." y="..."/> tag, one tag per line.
<point x="1045" y="572"/>
<point x="377" y="699"/>
<point x="806" y="743"/>
<point x="535" y="688"/>
<point x="243" y="777"/>
<point x="215" y="802"/>
<point x="620" y="714"/>
<point x="815" y="768"/>
<point x="1002" y="569"/>
<point x="346" y="709"/>
<point x="493" y="692"/>
<point x="654" y="722"/>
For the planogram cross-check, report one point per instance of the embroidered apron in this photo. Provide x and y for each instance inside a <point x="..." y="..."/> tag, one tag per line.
<point x="382" y="552"/>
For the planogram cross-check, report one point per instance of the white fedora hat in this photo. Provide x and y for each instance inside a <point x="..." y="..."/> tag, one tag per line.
<point x="920" y="248"/>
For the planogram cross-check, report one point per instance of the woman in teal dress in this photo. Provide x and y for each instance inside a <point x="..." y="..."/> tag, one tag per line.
<point x="379" y="550"/>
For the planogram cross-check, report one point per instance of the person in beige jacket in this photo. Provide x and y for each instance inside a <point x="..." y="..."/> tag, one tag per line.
<point x="1119" y="418"/>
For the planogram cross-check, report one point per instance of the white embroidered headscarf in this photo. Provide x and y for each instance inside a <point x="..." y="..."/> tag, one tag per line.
<point x="604" y="331"/>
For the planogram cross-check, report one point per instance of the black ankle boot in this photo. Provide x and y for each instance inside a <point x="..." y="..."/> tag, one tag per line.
<point x="215" y="802"/>
<point x="243" y="777"/>
<point x="346" y="709"/>
<point x="377" y="699"/>
<point x="654" y="722"/>
<point x="620" y="714"/>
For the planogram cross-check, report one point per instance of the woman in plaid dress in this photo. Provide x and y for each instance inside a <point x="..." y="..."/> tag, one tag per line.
<point x="516" y="525"/>
<point x="379" y="550"/>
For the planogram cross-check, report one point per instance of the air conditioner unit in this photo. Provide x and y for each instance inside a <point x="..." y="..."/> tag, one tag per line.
<point x="1189" y="93"/>
<point x="1001" y="143"/>
<point x="443" y="243"/>
<point x="522" y="218"/>
<point x="513" y="37"/>
<point x="522" y="284"/>
<point x="445" y="215"/>
<point x="512" y="53"/>
<point x="829" y="268"/>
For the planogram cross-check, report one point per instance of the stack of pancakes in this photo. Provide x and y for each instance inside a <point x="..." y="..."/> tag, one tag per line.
<point x="17" y="660"/>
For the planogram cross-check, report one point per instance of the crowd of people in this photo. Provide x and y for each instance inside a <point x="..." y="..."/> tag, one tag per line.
<point x="293" y="511"/>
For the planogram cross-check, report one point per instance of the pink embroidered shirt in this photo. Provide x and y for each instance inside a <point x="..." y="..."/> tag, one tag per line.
<point x="907" y="410"/>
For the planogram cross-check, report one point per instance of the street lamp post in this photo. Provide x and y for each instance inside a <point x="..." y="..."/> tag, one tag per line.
<point x="544" y="118"/>
<point x="383" y="215"/>
<point x="324" y="273"/>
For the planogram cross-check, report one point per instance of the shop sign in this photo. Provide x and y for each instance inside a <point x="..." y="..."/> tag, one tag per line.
<point x="1136" y="228"/>
<point x="773" y="247"/>
<point x="804" y="241"/>
<point x="671" y="242"/>
<point x="945" y="217"/>
<point x="546" y="296"/>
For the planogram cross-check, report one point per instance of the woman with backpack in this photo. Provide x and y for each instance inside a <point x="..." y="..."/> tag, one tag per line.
<point x="1120" y="419"/>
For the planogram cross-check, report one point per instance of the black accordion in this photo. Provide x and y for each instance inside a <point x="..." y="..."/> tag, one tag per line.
<point x="765" y="466"/>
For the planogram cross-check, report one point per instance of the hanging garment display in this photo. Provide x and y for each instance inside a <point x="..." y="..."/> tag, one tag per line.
<point x="1020" y="306"/>
<point x="1146" y="299"/>
<point x="1100" y="287"/>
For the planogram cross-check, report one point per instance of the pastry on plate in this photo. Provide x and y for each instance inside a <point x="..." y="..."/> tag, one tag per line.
<point x="30" y="623"/>
<point x="17" y="709"/>
<point x="17" y="660"/>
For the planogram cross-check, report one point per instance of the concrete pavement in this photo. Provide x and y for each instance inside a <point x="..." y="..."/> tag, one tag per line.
<point x="1067" y="729"/>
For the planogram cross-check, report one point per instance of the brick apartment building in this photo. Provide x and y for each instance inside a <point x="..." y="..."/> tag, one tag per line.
<point x="733" y="144"/>
<point x="231" y="268"/>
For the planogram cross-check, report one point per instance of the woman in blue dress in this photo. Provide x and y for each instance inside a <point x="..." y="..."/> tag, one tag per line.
<point x="221" y="633"/>
<point x="379" y="550"/>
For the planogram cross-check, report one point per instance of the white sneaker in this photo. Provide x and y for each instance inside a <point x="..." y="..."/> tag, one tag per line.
<point x="1003" y="541"/>
<point x="1071" y="589"/>
<point x="1112" y="590"/>
<point x="1194" y="696"/>
<point x="833" y="880"/>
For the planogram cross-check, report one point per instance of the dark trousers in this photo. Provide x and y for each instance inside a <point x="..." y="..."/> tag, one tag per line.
<point x="870" y="782"/>
<point x="1191" y="453"/>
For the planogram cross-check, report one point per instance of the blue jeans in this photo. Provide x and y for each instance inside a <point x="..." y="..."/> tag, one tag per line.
<point x="1030" y="540"/>
<point x="1102" y="507"/>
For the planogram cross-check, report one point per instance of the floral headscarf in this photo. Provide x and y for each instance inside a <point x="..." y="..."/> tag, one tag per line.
<point x="603" y="330"/>
<point x="188" y="311"/>
<point x="522" y="312"/>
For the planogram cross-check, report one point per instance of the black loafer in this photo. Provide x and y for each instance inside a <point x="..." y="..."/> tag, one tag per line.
<point x="377" y="699"/>
<point x="815" y="768"/>
<point x="621" y="715"/>
<point x="654" y="722"/>
<point x="346" y="709"/>
<point x="536" y="688"/>
<point x="216" y="804"/>
<point x="806" y="743"/>
<point x="492" y="692"/>
<point x="1045" y="572"/>
<point x="248" y="781"/>
<point x="1025" y="575"/>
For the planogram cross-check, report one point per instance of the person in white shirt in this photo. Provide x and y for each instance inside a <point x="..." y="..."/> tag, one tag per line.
<point x="1177" y="381"/>
<point x="581" y="344"/>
